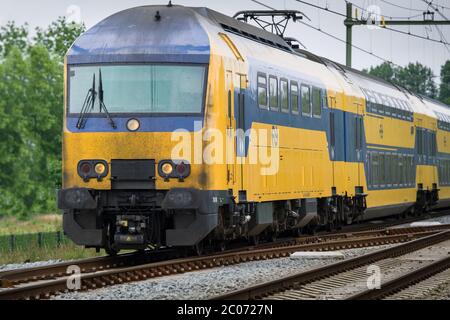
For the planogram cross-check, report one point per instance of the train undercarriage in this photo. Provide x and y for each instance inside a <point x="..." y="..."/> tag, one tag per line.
<point x="203" y="220"/>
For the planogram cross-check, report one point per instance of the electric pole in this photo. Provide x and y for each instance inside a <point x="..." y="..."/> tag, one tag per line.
<point x="349" y="22"/>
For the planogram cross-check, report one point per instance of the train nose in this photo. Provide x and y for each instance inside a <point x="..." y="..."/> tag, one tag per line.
<point x="133" y="174"/>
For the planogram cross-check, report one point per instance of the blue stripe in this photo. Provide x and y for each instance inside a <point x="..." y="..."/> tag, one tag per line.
<point x="137" y="58"/>
<point x="148" y="124"/>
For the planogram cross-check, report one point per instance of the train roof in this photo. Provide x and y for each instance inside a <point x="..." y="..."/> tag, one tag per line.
<point x="124" y="37"/>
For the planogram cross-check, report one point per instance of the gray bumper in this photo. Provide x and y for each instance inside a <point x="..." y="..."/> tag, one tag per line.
<point x="192" y="226"/>
<point x="76" y="198"/>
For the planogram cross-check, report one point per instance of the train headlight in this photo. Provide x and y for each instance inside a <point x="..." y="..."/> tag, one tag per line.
<point x="95" y="168"/>
<point x="167" y="168"/>
<point x="133" y="124"/>
<point x="85" y="168"/>
<point x="174" y="169"/>
<point x="100" y="168"/>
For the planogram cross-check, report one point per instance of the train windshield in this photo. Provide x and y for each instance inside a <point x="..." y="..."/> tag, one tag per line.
<point x="140" y="88"/>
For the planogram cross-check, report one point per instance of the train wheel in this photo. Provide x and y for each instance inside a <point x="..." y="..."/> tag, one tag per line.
<point x="222" y="246"/>
<point x="199" y="248"/>
<point x="273" y="237"/>
<point x="254" y="240"/>
<point x="297" y="232"/>
<point x="110" y="247"/>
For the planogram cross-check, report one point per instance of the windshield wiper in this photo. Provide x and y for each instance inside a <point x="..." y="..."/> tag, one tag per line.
<point x="100" y="98"/>
<point x="88" y="105"/>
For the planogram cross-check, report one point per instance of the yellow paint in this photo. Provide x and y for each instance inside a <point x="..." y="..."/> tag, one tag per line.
<point x="305" y="169"/>
<point x="232" y="46"/>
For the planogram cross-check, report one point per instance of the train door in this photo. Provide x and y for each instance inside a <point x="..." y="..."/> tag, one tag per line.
<point x="241" y="138"/>
<point x="332" y="124"/>
<point x="236" y="145"/>
<point x="359" y="132"/>
<point x="230" y="129"/>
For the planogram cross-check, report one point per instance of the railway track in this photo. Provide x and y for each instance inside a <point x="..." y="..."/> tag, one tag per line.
<point x="26" y="275"/>
<point x="17" y="277"/>
<point x="412" y="284"/>
<point x="313" y="283"/>
<point x="28" y="286"/>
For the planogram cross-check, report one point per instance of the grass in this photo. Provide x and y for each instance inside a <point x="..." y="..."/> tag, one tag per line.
<point x="36" y="223"/>
<point x="68" y="251"/>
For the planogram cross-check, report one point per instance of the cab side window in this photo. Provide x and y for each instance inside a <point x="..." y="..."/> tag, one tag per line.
<point x="273" y="93"/>
<point x="306" y="100"/>
<point x="294" y="97"/>
<point x="316" y="103"/>
<point x="262" y="90"/>
<point x="284" y="95"/>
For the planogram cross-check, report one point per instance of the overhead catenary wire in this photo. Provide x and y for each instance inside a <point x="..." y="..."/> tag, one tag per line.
<point x="401" y="7"/>
<point x="344" y="41"/>
<point x="390" y="17"/>
<point x="332" y="36"/>
<point x="384" y="27"/>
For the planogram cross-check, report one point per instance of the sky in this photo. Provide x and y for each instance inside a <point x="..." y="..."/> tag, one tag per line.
<point x="398" y="48"/>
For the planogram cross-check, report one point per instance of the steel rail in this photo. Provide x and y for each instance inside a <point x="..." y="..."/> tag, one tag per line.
<point x="45" y="289"/>
<point x="404" y="281"/>
<point x="293" y="281"/>
<point x="326" y="242"/>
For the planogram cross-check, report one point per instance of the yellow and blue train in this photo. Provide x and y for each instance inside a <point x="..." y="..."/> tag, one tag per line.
<point x="343" y="146"/>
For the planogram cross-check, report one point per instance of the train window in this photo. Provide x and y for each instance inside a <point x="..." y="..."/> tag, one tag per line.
<point x="396" y="171"/>
<point x="400" y="170"/>
<point x="412" y="170"/>
<point x="316" y="103"/>
<point x="382" y="169"/>
<point x="388" y="174"/>
<point x="262" y="90"/>
<point x="284" y="95"/>
<point x="375" y="171"/>
<point x="294" y="97"/>
<point x="324" y="98"/>
<point x="394" y="112"/>
<point x="306" y="100"/>
<point x="273" y="93"/>
<point x="419" y="141"/>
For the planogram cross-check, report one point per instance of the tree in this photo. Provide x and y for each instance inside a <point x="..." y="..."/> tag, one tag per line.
<point x="444" y="94"/>
<point x="415" y="77"/>
<point x="59" y="36"/>
<point x="31" y="115"/>
<point x="384" y="71"/>
<point x="13" y="36"/>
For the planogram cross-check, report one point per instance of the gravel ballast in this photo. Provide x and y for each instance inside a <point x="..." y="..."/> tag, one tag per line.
<point x="207" y="283"/>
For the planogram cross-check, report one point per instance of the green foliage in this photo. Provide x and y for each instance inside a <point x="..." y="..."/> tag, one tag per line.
<point x="59" y="36"/>
<point x="415" y="77"/>
<point x="31" y="113"/>
<point x="384" y="71"/>
<point x="444" y="94"/>
<point x="13" y="36"/>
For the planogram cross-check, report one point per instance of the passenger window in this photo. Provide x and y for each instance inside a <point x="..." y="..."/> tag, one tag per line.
<point x="284" y="93"/>
<point x="324" y="99"/>
<point x="316" y="103"/>
<point x="273" y="93"/>
<point x="382" y="169"/>
<point x="306" y="100"/>
<point x="262" y="90"/>
<point x="294" y="97"/>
